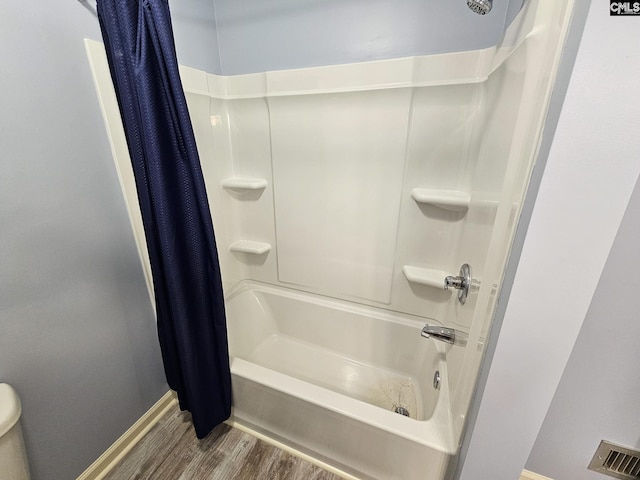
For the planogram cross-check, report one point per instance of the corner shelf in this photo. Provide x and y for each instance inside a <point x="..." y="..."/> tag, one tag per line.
<point x="454" y="200"/>
<point x="249" y="246"/>
<point x="425" y="276"/>
<point x="244" y="183"/>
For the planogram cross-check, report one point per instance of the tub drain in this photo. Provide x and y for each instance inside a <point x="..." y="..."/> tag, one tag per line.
<point x="401" y="411"/>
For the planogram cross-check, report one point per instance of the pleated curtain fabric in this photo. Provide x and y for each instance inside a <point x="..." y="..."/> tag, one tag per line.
<point x="192" y="328"/>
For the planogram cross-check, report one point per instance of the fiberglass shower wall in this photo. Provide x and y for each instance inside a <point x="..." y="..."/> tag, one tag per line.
<point x="323" y="191"/>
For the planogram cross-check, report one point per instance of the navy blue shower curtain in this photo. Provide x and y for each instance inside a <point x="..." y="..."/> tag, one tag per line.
<point x="186" y="275"/>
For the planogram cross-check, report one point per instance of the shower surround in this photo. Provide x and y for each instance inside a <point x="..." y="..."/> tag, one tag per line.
<point x="342" y="196"/>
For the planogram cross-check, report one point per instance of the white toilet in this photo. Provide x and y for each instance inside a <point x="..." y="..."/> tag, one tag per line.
<point x="13" y="456"/>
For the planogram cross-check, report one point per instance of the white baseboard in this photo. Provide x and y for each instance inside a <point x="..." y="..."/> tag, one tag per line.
<point x="105" y="463"/>
<point x="527" y="475"/>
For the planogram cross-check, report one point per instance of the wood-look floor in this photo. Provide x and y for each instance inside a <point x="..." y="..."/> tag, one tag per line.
<point x="171" y="451"/>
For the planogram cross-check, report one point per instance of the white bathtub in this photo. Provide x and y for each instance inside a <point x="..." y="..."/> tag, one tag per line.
<point x="323" y="376"/>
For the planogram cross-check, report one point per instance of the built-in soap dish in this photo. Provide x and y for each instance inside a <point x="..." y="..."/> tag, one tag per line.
<point x="240" y="184"/>
<point x="454" y="200"/>
<point x="250" y="246"/>
<point x="425" y="276"/>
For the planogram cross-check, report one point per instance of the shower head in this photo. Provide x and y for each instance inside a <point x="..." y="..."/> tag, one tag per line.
<point x="481" y="7"/>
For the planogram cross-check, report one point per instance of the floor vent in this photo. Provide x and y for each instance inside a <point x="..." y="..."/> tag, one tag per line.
<point x="616" y="461"/>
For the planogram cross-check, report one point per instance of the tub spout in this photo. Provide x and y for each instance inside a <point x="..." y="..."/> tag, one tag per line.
<point x="444" y="334"/>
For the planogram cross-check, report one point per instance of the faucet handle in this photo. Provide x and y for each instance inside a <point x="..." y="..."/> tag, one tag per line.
<point x="462" y="283"/>
<point x="455" y="282"/>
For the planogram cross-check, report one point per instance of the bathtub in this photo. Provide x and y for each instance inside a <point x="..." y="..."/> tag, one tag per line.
<point x="325" y="377"/>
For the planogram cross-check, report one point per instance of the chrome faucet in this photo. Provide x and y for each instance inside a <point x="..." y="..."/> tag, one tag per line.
<point x="462" y="283"/>
<point x="454" y="282"/>
<point x="444" y="334"/>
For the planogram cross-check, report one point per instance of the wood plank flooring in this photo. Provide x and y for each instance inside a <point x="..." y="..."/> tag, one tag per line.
<point x="171" y="451"/>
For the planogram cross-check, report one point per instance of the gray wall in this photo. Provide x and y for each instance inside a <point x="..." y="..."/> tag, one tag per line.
<point x="598" y="394"/>
<point x="77" y="333"/>
<point x="194" y="27"/>
<point x="263" y="35"/>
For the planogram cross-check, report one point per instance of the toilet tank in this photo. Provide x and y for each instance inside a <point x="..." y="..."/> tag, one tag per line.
<point x="13" y="456"/>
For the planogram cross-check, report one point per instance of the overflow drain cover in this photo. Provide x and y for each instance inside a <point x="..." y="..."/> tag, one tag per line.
<point x="402" y="411"/>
